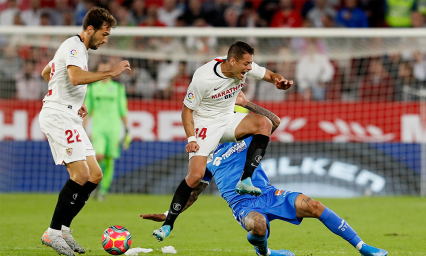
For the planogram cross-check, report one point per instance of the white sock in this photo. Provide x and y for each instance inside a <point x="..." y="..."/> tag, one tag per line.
<point x="54" y="232"/>
<point x="65" y="228"/>
<point x="359" y="245"/>
<point x="269" y="252"/>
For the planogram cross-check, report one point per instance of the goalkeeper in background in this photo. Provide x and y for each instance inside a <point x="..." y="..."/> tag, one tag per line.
<point x="107" y="105"/>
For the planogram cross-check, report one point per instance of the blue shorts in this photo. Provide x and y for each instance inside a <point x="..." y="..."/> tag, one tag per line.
<point x="275" y="204"/>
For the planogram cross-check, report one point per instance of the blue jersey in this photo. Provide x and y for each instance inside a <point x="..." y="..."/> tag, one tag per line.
<point x="227" y="167"/>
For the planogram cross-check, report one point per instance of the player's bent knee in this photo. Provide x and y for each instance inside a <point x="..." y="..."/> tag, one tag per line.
<point x="96" y="178"/>
<point x="263" y="125"/>
<point x="317" y="208"/>
<point x="193" y="179"/>
<point x="259" y="228"/>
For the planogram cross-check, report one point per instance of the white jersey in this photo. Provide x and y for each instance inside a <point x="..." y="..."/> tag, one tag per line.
<point x="211" y="94"/>
<point x="71" y="52"/>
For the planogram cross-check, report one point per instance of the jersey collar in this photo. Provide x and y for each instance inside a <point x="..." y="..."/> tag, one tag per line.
<point x="218" y="71"/>
<point x="81" y="40"/>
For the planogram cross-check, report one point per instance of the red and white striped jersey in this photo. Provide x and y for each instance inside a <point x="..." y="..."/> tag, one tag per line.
<point x="211" y="94"/>
<point x="71" y="52"/>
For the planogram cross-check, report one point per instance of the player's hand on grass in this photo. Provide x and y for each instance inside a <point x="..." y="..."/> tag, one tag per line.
<point x="192" y="147"/>
<point x="241" y="100"/>
<point x="155" y="217"/>
<point x="283" y="84"/>
<point x="82" y="111"/>
<point x="120" y="67"/>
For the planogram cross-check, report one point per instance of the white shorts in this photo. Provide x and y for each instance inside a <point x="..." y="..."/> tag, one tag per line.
<point x="212" y="132"/>
<point x="64" y="131"/>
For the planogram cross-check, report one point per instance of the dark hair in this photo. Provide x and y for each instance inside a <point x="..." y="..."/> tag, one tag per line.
<point x="97" y="17"/>
<point x="238" y="49"/>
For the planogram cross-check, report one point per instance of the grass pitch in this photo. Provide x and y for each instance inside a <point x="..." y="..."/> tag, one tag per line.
<point x="208" y="228"/>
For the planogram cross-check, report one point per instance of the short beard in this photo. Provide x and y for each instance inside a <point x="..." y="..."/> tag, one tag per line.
<point x="92" y="44"/>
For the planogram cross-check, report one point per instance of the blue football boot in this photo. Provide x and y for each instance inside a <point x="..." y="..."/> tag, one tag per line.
<point x="367" y="250"/>
<point x="162" y="232"/>
<point x="246" y="187"/>
<point x="276" y="252"/>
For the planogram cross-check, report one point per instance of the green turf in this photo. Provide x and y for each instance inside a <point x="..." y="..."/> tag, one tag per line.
<point x="208" y="228"/>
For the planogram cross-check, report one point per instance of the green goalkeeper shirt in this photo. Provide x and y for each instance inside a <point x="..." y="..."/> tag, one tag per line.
<point x="107" y="103"/>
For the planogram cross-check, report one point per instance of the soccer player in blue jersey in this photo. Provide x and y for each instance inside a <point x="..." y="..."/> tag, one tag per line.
<point x="254" y="214"/>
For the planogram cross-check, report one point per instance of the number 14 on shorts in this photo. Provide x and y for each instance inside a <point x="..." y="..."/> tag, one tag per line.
<point x="202" y="133"/>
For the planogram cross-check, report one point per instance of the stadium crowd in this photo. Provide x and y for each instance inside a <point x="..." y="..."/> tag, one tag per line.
<point x="318" y="75"/>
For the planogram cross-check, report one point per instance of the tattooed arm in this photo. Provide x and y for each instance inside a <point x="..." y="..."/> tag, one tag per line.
<point x="243" y="102"/>
<point x="194" y="196"/>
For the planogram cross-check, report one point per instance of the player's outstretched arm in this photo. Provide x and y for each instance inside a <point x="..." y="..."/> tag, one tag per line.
<point x="277" y="80"/>
<point x="79" y="76"/>
<point x="243" y="102"/>
<point x="194" y="196"/>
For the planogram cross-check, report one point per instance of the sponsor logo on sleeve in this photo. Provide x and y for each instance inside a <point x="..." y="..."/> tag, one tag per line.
<point x="190" y="96"/>
<point x="73" y="53"/>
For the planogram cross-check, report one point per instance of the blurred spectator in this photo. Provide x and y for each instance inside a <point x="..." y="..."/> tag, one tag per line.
<point x="29" y="84"/>
<point x="193" y="12"/>
<point x="374" y="9"/>
<point x="7" y="16"/>
<point x="316" y="14"/>
<point x="418" y="20"/>
<point x="231" y="17"/>
<point x="327" y="21"/>
<point x="391" y="65"/>
<point x="17" y="20"/>
<point x="68" y="18"/>
<point x="179" y="84"/>
<point x="167" y="70"/>
<point x="10" y="62"/>
<point x="215" y="12"/>
<point x="267" y="9"/>
<point x="286" y="16"/>
<point x="152" y="18"/>
<point x="83" y="6"/>
<point x="314" y="70"/>
<point x="351" y="16"/>
<point x="124" y="17"/>
<point x="169" y="13"/>
<point x="398" y="12"/>
<point x="31" y="17"/>
<point x="201" y="45"/>
<point x="406" y="84"/>
<point x="45" y="19"/>
<point x="138" y="11"/>
<point x="266" y="91"/>
<point x="378" y="85"/>
<point x="419" y="66"/>
<point x="250" y="18"/>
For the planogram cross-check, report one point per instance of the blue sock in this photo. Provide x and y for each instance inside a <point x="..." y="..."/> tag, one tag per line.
<point x="339" y="227"/>
<point x="259" y="242"/>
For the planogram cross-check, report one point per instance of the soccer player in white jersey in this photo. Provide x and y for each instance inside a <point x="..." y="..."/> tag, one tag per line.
<point x="209" y="119"/>
<point x="61" y="121"/>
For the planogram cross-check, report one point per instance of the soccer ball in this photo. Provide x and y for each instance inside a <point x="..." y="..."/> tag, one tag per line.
<point x="116" y="240"/>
